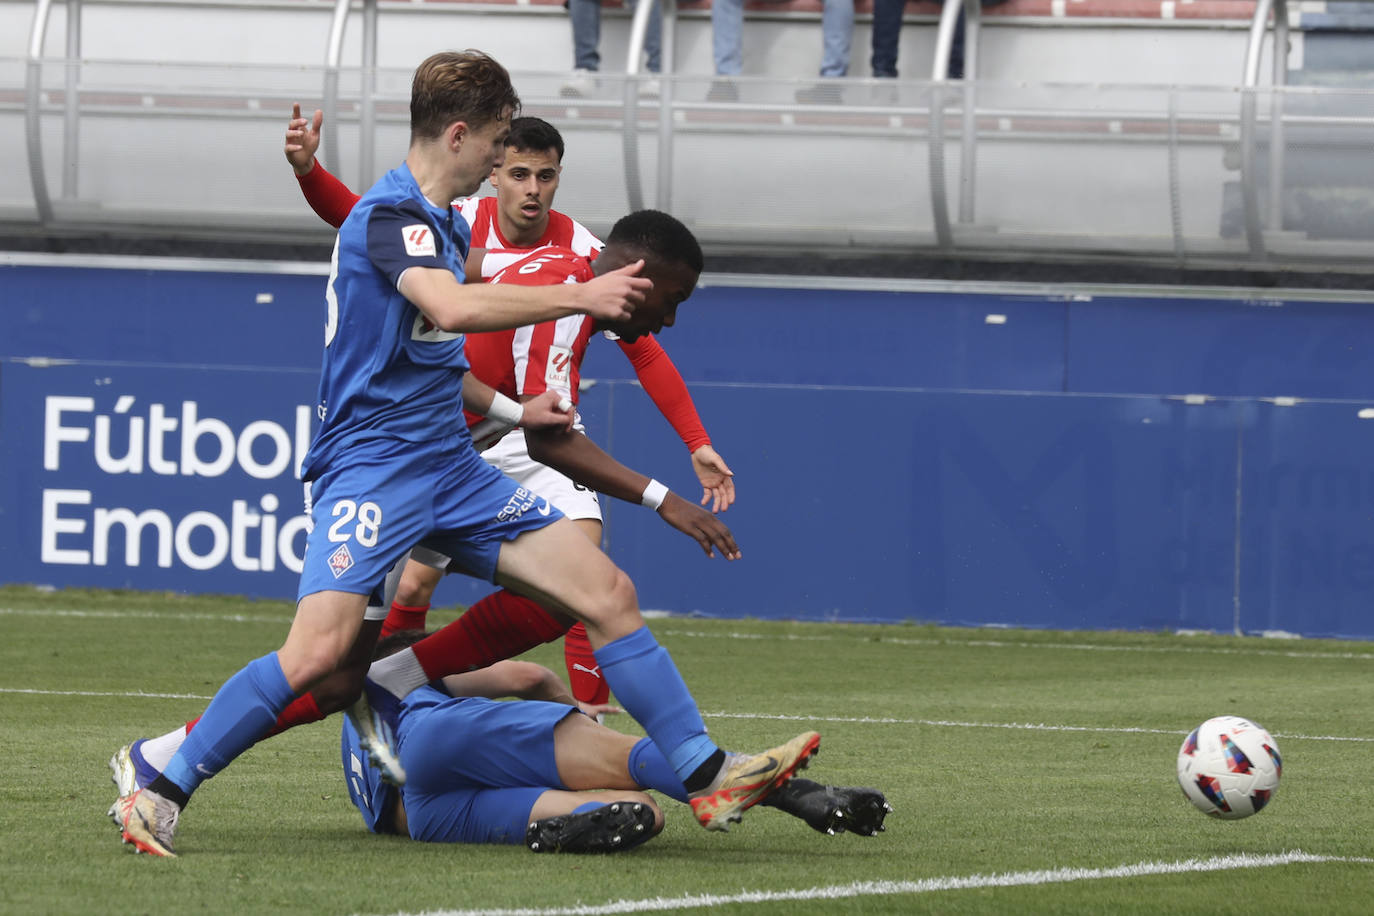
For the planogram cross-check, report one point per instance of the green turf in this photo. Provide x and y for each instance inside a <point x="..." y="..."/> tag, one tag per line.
<point x="937" y="718"/>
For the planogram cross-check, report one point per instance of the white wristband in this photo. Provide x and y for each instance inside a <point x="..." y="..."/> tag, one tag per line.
<point x="654" y="494"/>
<point x="505" y="410"/>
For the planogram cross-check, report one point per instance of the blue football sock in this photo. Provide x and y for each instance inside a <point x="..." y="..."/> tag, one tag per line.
<point x="644" y="679"/>
<point x="650" y="769"/>
<point x="241" y="712"/>
<point x="588" y="806"/>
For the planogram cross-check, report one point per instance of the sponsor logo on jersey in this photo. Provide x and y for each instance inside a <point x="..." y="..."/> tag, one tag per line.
<point x="419" y="240"/>
<point x="558" y="372"/>
<point x="340" y="560"/>
<point x="426" y="330"/>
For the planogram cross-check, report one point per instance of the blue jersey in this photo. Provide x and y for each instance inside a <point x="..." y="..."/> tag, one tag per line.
<point x="373" y="798"/>
<point x="388" y="373"/>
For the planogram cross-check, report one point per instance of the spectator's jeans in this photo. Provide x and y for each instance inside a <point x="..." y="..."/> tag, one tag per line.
<point x="727" y="35"/>
<point x="586" y="30"/>
<point x="887" y="32"/>
<point x="837" y="28"/>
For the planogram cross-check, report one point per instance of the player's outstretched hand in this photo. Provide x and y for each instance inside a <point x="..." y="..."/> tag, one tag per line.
<point x="717" y="480"/>
<point x="596" y="710"/>
<point x="695" y="522"/>
<point x="614" y="295"/>
<point x="302" y="139"/>
<point x="550" y="410"/>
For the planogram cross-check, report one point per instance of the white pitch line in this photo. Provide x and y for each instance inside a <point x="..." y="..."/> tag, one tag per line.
<point x="148" y="615"/>
<point x="922" y="886"/>
<point x="121" y="694"/>
<point x="770" y="717"/>
<point x="882" y="640"/>
<point x="1015" y="726"/>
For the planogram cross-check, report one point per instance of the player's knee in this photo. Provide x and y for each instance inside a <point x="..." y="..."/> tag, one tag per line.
<point x="337" y="691"/>
<point x="307" y="665"/>
<point x="414" y="591"/>
<point x="620" y="601"/>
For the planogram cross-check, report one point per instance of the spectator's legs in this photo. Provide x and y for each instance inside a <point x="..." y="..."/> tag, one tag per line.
<point x="727" y="36"/>
<point x="837" y="29"/>
<point x="887" y="32"/>
<point x="586" y="32"/>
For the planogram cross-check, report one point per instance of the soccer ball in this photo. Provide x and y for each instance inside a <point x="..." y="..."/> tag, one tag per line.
<point x="1229" y="767"/>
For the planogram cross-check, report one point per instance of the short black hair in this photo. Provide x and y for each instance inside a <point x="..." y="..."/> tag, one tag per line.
<point x="401" y="639"/>
<point x="660" y="234"/>
<point x="534" y="135"/>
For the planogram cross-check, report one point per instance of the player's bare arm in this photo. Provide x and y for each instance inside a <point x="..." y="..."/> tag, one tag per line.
<point x="302" y="139"/>
<point x="468" y="308"/>
<point x="586" y="463"/>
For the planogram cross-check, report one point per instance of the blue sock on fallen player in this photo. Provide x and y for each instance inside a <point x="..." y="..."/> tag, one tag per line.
<point x="651" y="770"/>
<point x="241" y="712"/>
<point x="644" y="679"/>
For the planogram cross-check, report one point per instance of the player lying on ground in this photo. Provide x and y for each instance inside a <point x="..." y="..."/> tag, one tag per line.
<point x="537" y="772"/>
<point x="393" y="447"/>
<point x="521" y="218"/>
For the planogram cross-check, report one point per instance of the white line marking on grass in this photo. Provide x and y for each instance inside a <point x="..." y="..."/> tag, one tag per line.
<point x="1016" y="726"/>
<point x="880" y="639"/>
<point x="923" y="886"/>
<point x="122" y="694"/>
<point x="779" y="717"/>
<point x="146" y="615"/>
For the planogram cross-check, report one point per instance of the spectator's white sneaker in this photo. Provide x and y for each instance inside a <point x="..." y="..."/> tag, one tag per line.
<point x="581" y="85"/>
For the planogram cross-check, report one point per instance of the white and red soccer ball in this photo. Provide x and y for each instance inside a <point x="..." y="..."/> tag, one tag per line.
<point x="1229" y="767"/>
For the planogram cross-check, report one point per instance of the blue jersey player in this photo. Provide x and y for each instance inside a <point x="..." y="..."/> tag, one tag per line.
<point x="540" y="772"/>
<point x="392" y="464"/>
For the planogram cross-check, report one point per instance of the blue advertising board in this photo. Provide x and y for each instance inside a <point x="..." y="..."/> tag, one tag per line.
<point x="986" y="458"/>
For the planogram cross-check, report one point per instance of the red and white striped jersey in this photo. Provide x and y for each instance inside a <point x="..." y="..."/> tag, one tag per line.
<point x="563" y="231"/>
<point x="537" y="357"/>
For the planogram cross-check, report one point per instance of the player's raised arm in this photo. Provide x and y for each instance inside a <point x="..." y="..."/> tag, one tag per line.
<point x="468" y="308"/>
<point x="329" y="197"/>
<point x="302" y="139"/>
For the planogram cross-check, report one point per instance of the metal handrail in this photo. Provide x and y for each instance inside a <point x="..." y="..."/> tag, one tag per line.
<point x="1254" y="232"/>
<point x="629" y="141"/>
<point x="944" y="42"/>
<point x="333" y="58"/>
<point x="33" y="96"/>
<point x="367" y="103"/>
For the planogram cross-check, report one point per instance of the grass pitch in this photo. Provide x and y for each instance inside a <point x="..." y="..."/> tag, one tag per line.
<point x="1030" y="772"/>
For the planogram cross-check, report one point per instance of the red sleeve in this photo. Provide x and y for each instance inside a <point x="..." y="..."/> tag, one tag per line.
<point x="665" y="386"/>
<point x="328" y="196"/>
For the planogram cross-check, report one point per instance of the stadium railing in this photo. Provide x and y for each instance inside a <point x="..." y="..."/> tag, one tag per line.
<point x="1117" y="168"/>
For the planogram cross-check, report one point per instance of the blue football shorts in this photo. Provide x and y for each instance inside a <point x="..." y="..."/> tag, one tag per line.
<point x="475" y="767"/>
<point x="389" y="495"/>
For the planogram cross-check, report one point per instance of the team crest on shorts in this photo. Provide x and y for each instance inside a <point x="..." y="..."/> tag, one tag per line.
<point x="340" y="560"/>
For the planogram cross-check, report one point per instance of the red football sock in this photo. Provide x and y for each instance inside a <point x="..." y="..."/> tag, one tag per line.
<point x="583" y="672"/>
<point x="192" y="724"/>
<point x="299" y="711"/>
<point x="500" y="626"/>
<point x="404" y="617"/>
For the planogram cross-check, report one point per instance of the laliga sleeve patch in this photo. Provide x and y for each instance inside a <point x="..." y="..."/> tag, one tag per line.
<point x="419" y="240"/>
<point x="558" y="371"/>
